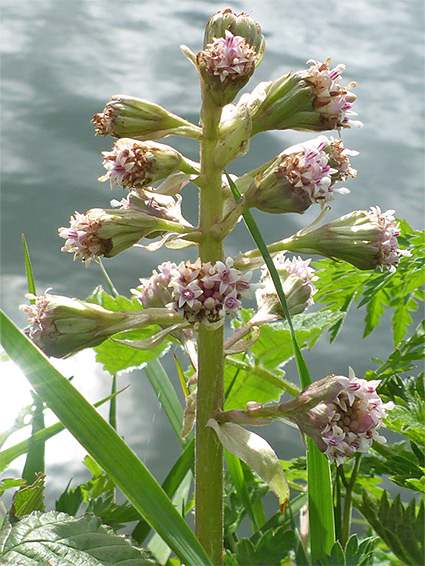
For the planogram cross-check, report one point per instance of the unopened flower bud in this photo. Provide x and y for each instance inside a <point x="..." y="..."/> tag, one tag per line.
<point x="134" y="164"/>
<point x="234" y="134"/>
<point x="61" y="326"/>
<point x="297" y="283"/>
<point x="366" y="239"/>
<point x="300" y="176"/>
<point x="107" y="232"/>
<point x="341" y="414"/>
<point x="233" y="47"/>
<point x="311" y="100"/>
<point x="237" y="24"/>
<point x="130" y="117"/>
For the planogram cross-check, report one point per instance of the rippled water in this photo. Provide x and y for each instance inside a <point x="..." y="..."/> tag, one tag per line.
<point x="63" y="59"/>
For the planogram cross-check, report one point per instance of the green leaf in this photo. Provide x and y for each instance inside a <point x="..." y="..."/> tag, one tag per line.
<point x="117" y="357"/>
<point x="34" y="463"/>
<point x="7" y="456"/>
<point x="11" y="483"/>
<point x="28" y="499"/>
<point x="167" y="396"/>
<point x="354" y="553"/>
<point x="58" y="539"/>
<point x="234" y="465"/>
<point x="271" y="549"/>
<point x="400" y="527"/>
<point x="104" y="444"/>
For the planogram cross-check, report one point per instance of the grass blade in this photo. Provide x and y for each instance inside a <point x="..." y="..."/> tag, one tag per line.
<point x="103" y="443"/>
<point x="322" y="529"/>
<point x="7" y="456"/>
<point x="166" y="395"/>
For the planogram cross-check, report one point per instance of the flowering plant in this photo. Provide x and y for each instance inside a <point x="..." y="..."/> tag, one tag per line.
<point x="234" y="355"/>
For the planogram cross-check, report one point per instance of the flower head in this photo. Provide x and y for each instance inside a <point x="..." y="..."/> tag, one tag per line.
<point x="233" y="47"/>
<point x="199" y="292"/>
<point x="331" y="100"/>
<point x="366" y="239"/>
<point x="130" y="117"/>
<point x="228" y="57"/>
<point x="301" y="175"/>
<point x="107" y="232"/>
<point x="61" y="326"/>
<point x="309" y="100"/>
<point x="139" y="164"/>
<point x="297" y="280"/>
<point x="341" y="414"/>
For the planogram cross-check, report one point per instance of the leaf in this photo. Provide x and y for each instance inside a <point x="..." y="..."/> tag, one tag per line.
<point x="257" y="453"/>
<point x="271" y="549"/>
<point x="58" y="539"/>
<point x="354" y="553"/>
<point x="34" y="462"/>
<point x="400" y="527"/>
<point x="11" y="483"/>
<point x="167" y="396"/>
<point x="28" y="499"/>
<point x="117" y="357"/>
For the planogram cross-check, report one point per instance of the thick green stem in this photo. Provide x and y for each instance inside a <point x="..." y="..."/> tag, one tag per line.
<point x="210" y="396"/>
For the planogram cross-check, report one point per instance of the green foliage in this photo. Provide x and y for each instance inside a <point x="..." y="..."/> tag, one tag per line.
<point x="340" y="285"/>
<point x="28" y="499"/>
<point x="55" y="539"/>
<point x="258" y="376"/>
<point x="399" y="526"/>
<point x="273" y="547"/>
<point x="355" y="553"/>
<point x="403" y="357"/>
<point x="11" y="483"/>
<point x="118" y="357"/>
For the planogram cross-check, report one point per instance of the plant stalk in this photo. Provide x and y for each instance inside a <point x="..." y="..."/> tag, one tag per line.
<point x="210" y="395"/>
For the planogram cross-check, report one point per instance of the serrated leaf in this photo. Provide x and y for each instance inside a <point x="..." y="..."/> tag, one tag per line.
<point x="399" y="527"/>
<point x="58" y="539"/>
<point x="28" y="499"/>
<point x="271" y="549"/>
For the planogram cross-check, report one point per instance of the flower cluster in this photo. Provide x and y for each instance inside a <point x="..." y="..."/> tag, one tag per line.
<point x="82" y="237"/>
<point x="366" y="239"/>
<point x="228" y="56"/>
<point x="313" y="170"/>
<point x="297" y="283"/>
<point x="106" y="232"/>
<point x="139" y="164"/>
<point x="341" y="414"/>
<point x="331" y="100"/>
<point x="200" y="292"/>
<point x="302" y="175"/>
<point x="61" y="326"/>
<point x="131" y="117"/>
<point x="388" y="253"/>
